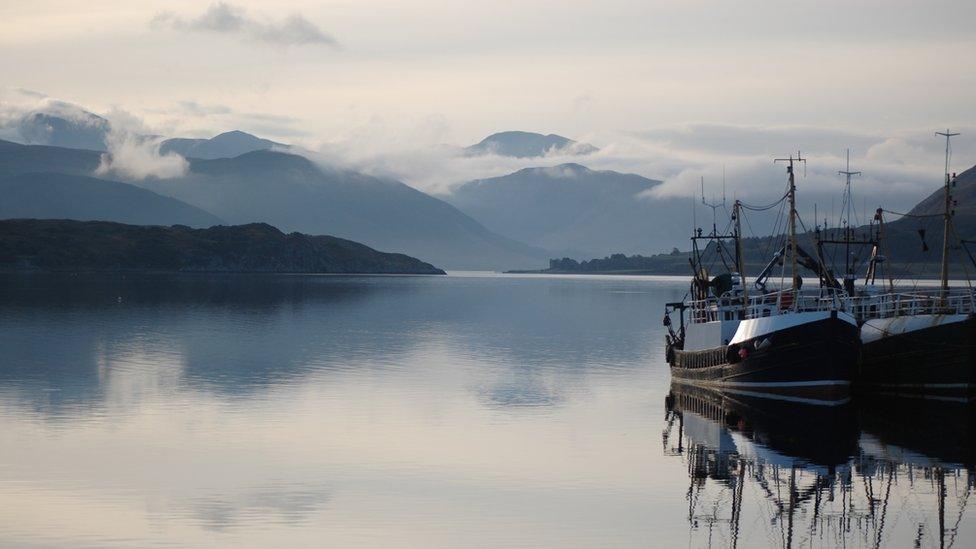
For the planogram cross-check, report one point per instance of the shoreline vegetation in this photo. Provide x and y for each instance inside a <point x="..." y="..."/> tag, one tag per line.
<point x="58" y="245"/>
<point x="677" y="264"/>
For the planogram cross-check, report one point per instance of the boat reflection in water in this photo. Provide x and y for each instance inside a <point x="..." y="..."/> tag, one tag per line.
<point x="867" y="474"/>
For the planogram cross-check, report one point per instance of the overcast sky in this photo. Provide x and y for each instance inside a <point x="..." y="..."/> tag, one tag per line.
<point x="373" y="76"/>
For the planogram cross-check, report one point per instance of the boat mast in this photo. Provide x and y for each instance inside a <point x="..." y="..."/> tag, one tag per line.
<point x="739" y="255"/>
<point x="940" y="477"/>
<point x="848" y="267"/>
<point x="946" y="217"/>
<point x="792" y="225"/>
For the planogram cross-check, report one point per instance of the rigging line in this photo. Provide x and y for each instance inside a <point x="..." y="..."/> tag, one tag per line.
<point x="749" y="226"/>
<point x="764" y="207"/>
<point x="907" y="273"/>
<point x="962" y="244"/>
<point x="917" y="216"/>
<point x="813" y="241"/>
<point x="771" y="241"/>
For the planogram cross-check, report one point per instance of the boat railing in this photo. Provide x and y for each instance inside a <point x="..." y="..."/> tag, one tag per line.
<point x="887" y="305"/>
<point x="730" y="306"/>
<point x="862" y="307"/>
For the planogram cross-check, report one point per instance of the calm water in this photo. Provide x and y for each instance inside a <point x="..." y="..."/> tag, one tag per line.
<point x="429" y="412"/>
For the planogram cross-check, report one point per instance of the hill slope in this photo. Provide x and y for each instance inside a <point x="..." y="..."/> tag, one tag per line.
<point x="575" y="210"/>
<point x="293" y="193"/>
<point x="964" y="193"/>
<point x="59" y="245"/>
<point x="16" y="159"/>
<point x="62" y="196"/>
<point x="527" y="144"/>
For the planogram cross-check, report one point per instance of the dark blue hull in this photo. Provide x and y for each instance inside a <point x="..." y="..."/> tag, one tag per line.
<point x="935" y="360"/>
<point x="813" y="360"/>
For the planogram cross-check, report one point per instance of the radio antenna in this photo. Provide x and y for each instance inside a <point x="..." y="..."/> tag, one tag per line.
<point x="713" y="205"/>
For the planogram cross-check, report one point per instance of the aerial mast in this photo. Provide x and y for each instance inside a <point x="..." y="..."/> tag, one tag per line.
<point x="946" y="217"/>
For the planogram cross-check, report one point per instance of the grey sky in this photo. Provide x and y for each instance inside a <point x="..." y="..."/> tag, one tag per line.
<point x="486" y="66"/>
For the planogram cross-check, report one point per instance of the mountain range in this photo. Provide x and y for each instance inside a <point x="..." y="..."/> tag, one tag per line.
<point x="514" y="221"/>
<point x="295" y="194"/>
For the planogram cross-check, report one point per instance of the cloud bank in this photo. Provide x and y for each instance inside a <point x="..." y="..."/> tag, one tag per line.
<point x="135" y="157"/>
<point x="223" y="18"/>
<point x="899" y="168"/>
<point x="131" y="151"/>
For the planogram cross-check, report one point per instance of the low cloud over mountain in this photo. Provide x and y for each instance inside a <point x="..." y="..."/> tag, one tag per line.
<point x="226" y="145"/>
<point x="527" y="145"/>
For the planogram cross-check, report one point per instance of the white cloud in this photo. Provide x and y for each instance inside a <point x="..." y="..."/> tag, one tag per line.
<point x="134" y="157"/>
<point x="223" y="18"/>
<point x="186" y="118"/>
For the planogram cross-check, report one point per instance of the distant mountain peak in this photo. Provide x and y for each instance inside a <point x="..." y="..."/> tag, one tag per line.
<point x="242" y="136"/>
<point x="63" y="127"/>
<point x="521" y="144"/>
<point x="225" y="145"/>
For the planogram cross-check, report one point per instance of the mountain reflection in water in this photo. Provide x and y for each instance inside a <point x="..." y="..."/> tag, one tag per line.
<point x="881" y="470"/>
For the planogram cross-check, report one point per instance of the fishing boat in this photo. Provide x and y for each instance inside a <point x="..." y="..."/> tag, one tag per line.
<point x="916" y="340"/>
<point x="781" y="343"/>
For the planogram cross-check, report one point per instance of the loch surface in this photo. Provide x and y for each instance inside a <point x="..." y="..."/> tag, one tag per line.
<point x="472" y="410"/>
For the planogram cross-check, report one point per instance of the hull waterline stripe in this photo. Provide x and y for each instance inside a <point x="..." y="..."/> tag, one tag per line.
<point x="818" y="383"/>
<point x="798" y="400"/>
<point x="771" y="396"/>
<point x="927" y="385"/>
